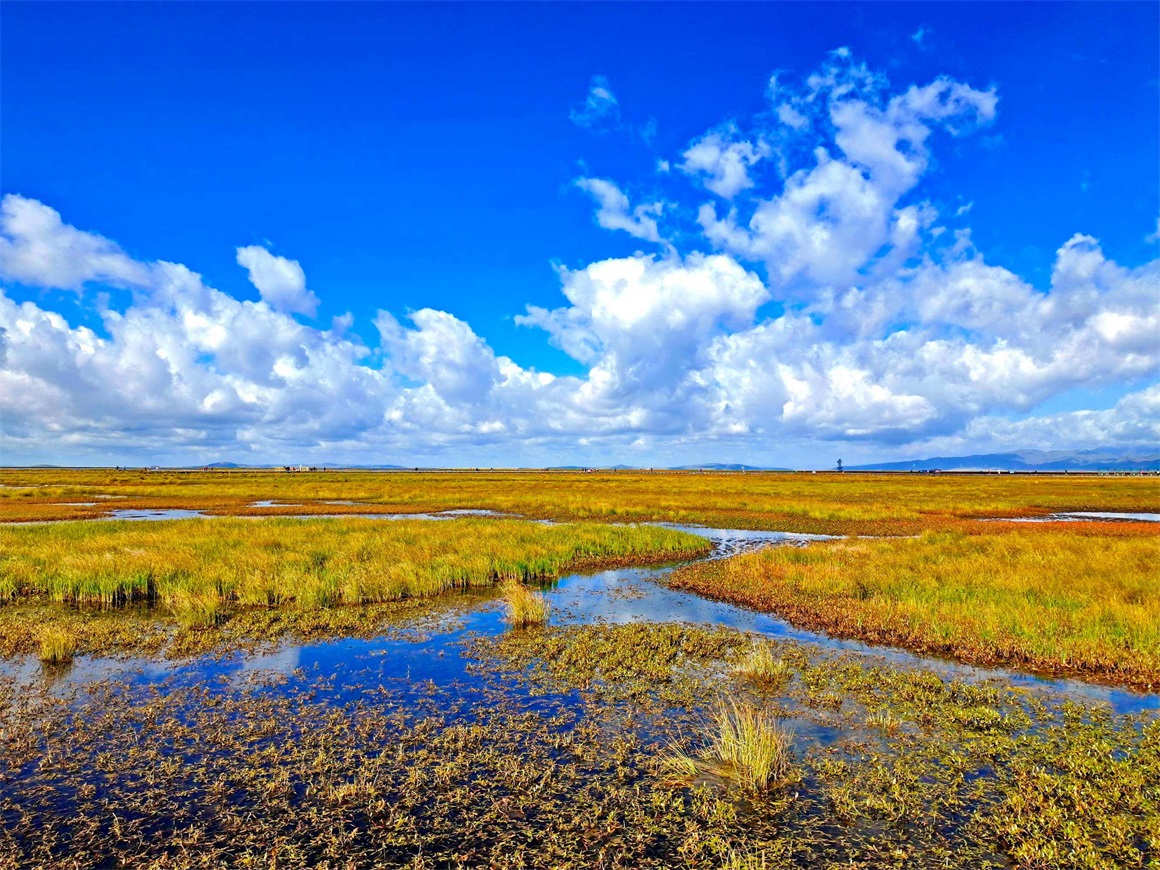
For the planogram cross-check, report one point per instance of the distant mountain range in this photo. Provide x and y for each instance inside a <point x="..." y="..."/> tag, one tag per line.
<point x="1029" y="460"/>
<point x="727" y="466"/>
<point x="295" y="465"/>
<point x="1100" y="459"/>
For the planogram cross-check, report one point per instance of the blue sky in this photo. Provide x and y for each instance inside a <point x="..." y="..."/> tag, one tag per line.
<point x="990" y="283"/>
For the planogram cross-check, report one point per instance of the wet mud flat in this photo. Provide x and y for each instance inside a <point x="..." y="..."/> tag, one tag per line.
<point x="454" y="741"/>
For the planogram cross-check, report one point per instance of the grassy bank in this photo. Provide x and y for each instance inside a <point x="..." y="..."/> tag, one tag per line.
<point x="1057" y="599"/>
<point x="200" y="571"/>
<point x="827" y="503"/>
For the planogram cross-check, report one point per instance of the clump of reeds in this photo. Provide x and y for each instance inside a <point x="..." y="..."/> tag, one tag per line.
<point x="57" y="646"/>
<point x="745" y="744"/>
<point x="525" y="607"/>
<point x="762" y="666"/>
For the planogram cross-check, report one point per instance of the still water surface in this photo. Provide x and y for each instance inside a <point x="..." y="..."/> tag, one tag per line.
<point x="436" y="651"/>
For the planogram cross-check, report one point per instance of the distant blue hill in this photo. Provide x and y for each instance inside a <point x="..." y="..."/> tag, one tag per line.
<point x="1099" y="459"/>
<point x="1029" y="460"/>
<point x="727" y="466"/>
<point x="329" y="465"/>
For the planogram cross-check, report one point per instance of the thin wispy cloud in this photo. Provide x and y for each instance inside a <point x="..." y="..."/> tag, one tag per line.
<point x="600" y="109"/>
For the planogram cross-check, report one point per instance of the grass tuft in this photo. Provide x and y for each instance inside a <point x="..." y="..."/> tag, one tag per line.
<point x="57" y="646"/>
<point x="884" y="721"/>
<point x="762" y="666"/>
<point x="744" y="744"/>
<point x="525" y="607"/>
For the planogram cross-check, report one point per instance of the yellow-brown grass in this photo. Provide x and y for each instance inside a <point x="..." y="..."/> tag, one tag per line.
<point x="744" y="744"/>
<point x="1056" y="598"/>
<point x="525" y="607"/>
<point x="195" y="567"/>
<point x="830" y="503"/>
<point x="56" y="645"/>
<point x="762" y="666"/>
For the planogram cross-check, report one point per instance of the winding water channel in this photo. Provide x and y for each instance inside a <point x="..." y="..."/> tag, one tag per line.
<point x="156" y="744"/>
<point x="437" y="651"/>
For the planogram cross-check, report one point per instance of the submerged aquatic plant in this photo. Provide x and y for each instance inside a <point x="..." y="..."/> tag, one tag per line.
<point x="525" y="607"/>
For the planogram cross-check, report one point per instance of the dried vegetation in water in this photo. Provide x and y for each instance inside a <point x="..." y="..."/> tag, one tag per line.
<point x="877" y="766"/>
<point x="301" y="771"/>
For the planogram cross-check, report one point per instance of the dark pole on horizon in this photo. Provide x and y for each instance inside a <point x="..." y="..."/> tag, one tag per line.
<point x="840" y="465"/>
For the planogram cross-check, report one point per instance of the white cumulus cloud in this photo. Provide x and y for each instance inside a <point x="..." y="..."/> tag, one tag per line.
<point x="827" y="304"/>
<point x="37" y="248"/>
<point x="723" y="161"/>
<point x="281" y="282"/>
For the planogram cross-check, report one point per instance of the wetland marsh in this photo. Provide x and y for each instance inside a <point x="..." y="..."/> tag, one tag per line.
<point x="353" y="692"/>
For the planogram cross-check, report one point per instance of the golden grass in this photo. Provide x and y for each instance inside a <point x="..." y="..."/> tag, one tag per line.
<point x="524" y="606"/>
<point x="745" y="744"/>
<point x="762" y="666"/>
<point x="753" y="744"/>
<point x="196" y="567"/>
<point x="56" y="645"/>
<point x="1002" y="594"/>
<point x="829" y="503"/>
<point x="1055" y="598"/>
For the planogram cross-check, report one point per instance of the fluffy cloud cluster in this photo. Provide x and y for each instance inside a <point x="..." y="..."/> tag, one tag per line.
<point x="841" y="218"/>
<point x="723" y="163"/>
<point x="825" y="303"/>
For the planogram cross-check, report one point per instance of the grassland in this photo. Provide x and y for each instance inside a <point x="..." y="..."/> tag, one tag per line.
<point x="1072" y="599"/>
<point x="202" y="572"/>
<point x="573" y="746"/>
<point x="823" y="503"/>
<point x="1080" y="599"/>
